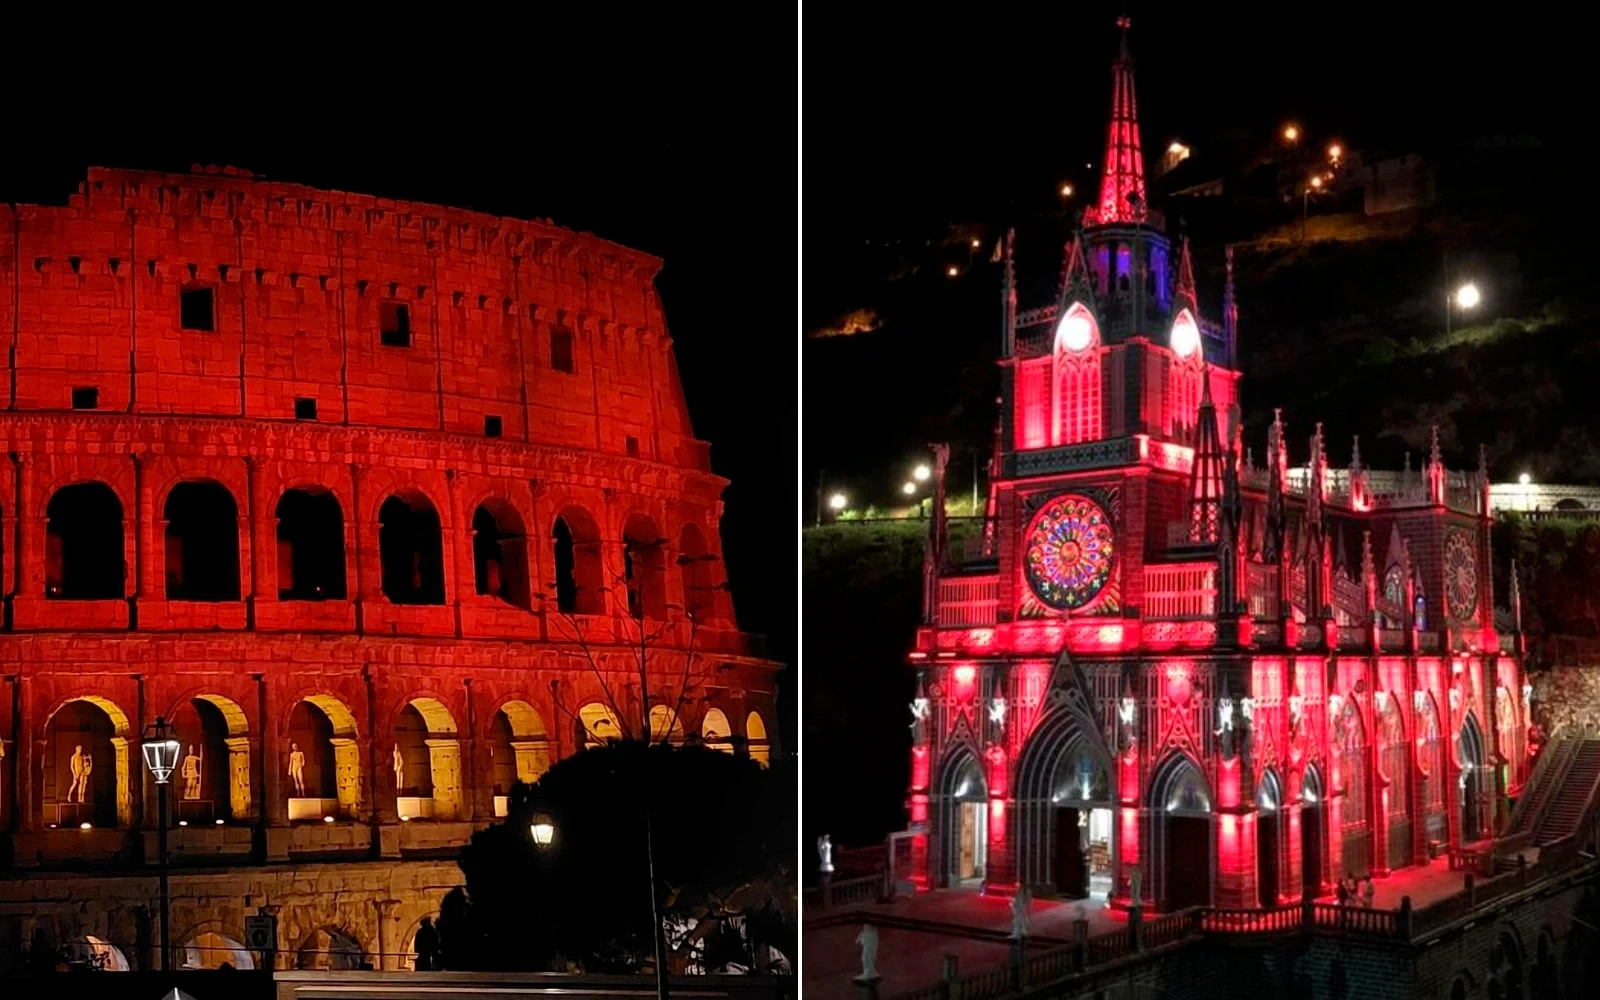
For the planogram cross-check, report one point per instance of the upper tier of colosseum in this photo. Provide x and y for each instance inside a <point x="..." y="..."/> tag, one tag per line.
<point x="217" y="294"/>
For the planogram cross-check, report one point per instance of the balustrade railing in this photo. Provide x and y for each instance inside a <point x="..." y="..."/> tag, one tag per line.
<point x="1180" y="590"/>
<point x="968" y="600"/>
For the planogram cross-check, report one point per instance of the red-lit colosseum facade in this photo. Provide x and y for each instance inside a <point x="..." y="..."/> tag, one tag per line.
<point x="370" y="499"/>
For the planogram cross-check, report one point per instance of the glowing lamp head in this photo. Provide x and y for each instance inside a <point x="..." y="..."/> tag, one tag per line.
<point x="908" y="488"/>
<point x="1075" y="331"/>
<point x="1291" y="133"/>
<point x="1316" y="183"/>
<point x="1524" y="479"/>
<point x="975" y="244"/>
<point x="160" y="749"/>
<point x="1335" y="152"/>
<point x="838" y="501"/>
<point x="85" y="826"/>
<point x="1185" y="335"/>
<point x="921" y="473"/>
<point x="1467" y="296"/>
<point x="952" y="270"/>
<point x="542" y="830"/>
<point x="327" y="819"/>
<point x="1066" y="190"/>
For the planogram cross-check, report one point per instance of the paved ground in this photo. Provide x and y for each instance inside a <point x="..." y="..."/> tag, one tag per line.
<point x="915" y="933"/>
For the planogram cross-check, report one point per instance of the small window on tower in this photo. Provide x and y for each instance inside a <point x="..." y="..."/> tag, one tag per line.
<point x="394" y="322"/>
<point x="85" y="398"/>
<point x="633" y="446"/>
<point x="561" y="351"/>
<point x="195" y="308"/>
<point x="491" y="427"/>
<point x="305" y="409"/>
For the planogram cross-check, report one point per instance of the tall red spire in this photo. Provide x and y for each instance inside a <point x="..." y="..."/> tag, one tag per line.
<point x="1122" y="182"/>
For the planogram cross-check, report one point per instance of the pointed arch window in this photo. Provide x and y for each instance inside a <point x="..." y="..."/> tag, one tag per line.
<point x="1184" y="372"/>
<point x="1075" y="379"/>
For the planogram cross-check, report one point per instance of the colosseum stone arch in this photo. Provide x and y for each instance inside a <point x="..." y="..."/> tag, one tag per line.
<point x="318" y="476"/>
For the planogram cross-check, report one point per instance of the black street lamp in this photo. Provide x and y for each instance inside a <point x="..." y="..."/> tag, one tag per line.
<point x="160" y="749"/>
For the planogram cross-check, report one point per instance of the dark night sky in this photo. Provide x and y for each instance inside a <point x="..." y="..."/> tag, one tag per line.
<point x="671" y="142"/>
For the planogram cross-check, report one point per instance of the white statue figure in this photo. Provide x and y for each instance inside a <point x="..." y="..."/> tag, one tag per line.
<point x="825" y="852"/>
<point x="82" y="767"/>
<point x="297" y="769"/>
<point x="399" y="769"/>
<point x="191" y="776"/>
<point x="1133" y="886"/>
<point x="1019" y="914"/>
<point x="868" y="940"/>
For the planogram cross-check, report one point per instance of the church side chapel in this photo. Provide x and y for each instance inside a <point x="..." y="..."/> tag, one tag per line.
<point x="1177" y="674"/>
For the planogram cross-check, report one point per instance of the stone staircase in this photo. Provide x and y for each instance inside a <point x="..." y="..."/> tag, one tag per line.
<point x="1562" y="812"/>
<point x="1548" y="774"/>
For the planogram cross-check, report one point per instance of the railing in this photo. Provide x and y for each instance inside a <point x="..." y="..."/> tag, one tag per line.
<point x="1171" y="927"/>
<point x="846" y="892"/>
<point x="1180" y="590"/>
<point x="1354" y="919"/>
<point x="968" y="600"/>
<point x="1052" y="964"/>
<point x="1466" y="860"/>
<point x="1553" y="762"/>
<point x="1284" y="918"/>
<point x="1112" y="945"/>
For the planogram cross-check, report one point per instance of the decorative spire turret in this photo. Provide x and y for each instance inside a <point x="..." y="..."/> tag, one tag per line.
<point x="1184" y="294"/>
<point x="1515" y="597"/>
<point x="1206" y="475"/>
<point x="1319" y="584"/>
<point x="1230" y="311"/>
<point x="1008" y="299"/>
<point x="1273" y="544"/>
<point x="1369" y="577"/>
<point x="1360" y="484"/>
<point x="1122" y="195"/>
<point x="1435" y="471"/>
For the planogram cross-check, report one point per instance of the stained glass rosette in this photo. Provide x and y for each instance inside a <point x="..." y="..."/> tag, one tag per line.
<point x="1070" y="553"/>
<point x="1461" y="576"/>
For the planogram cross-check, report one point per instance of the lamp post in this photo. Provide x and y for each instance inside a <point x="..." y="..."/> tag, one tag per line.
<point x="160" y="749"/>
<point x="1464" y="298"/>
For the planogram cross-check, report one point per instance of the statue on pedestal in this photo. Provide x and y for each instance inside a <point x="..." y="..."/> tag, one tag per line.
<point x="82" y="767"/>
<point x="297" y="769"/>
<point x="191" y="776"/>
<point x="1019" y="914"/>
<point x="868" y="940"/>
<point x="399" y="769"/>
<point x="825" y="852"/>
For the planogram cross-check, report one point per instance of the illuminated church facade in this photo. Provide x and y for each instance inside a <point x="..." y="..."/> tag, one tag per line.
<point x="1170" y="670"/>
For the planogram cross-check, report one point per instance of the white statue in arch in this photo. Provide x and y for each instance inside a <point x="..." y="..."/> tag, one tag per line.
<point x="825" y="852"/>
<point x="191" y="776"/>
<point x="399" y="769"/>
<point x="82" y="767"/>
<point x="1135" y="878"/>
<point x="297" y="769"/>
<point x="868" y="940"/>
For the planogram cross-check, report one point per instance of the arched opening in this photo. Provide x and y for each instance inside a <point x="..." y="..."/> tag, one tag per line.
<point x="1184" y="808"/>
<point x="1569" y="504"/>
<point x="1311" y="826"/>
<point x="427" y="762"/>
<point x="1545" y="980"/>
<point x="695" y="565"/>
<point x="86" y="777"/>
<point x="519" y="750"/>
<point x="598" y="725"/>
<point x="1505" y="967"/>
<point x="92" y="954"/>
<point x="329" y="949"/>
<point x="210" y="950"/>
<point x="1394" y="768"/>
<point x="1075" y="414"/>
<point x="715" y="731"/>
<point x="1472" y="782"/>
<point x="500" y="553"/>
<point x="202" y="542"/>
<point x="310" y="546"/>
<point x="580" y="582"/>
<point x="1350" y="746"/>
<point x="411" y="550"/>
<point x="212" y="782"/>
<point x="964" y="815"/>
<point x="1269" y="837"/>
<point x="755" y="739"/>
<point x="643" y="568"/>
<point x="666" y="726"/>
<point x="83" y="544"/>
<point x="1430" y="765"/>
<point x="1062" y="823"/>
<point x="324" y="764"/>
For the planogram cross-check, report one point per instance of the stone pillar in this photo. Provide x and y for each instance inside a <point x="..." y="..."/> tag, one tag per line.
<point x="31" y="528"/>
<point x="356" y="529"/>
<point x="275" y="807"/>
<point x="444" y="760"/>
<point x="347" y="776"/>
<point x="454" y="585"/>
<point x="239" y="777"/>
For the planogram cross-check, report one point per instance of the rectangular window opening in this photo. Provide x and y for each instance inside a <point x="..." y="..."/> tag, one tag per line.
<point x="633" y="446"/>
<point x="305" y="409"/>
<point x="491" y="427"/>
<point x="561" y="351"/>
<point x="394" y="322"/>
<point x="195" y="308"/>
<point x="85" y="398"/>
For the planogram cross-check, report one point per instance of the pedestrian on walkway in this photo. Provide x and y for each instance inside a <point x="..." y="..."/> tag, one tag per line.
<point x="1368" y="892"/>
<point x="1341" y="891"/>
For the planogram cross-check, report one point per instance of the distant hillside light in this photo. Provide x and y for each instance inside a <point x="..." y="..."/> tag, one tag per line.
<point x="1335" y="152"/>
<point x="1291" y="133"/>
<point x="908" y="488"/>
<point x="1066" y="190"/>
<point x="1467" y="296"/>
<point x="838" y="501"/>
<point x="952" y="270"/>
<point x="1524" y="479"/>
<point x="975" y="244"/>
<point x="921" y="473"/>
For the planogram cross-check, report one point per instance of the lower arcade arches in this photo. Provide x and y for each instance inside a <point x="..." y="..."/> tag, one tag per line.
<point x="211" y="949"/>
<point x="427" y="762"/>
<point x="1063" y="820"/>
<point x="964" y="818"/>
<point x="212" y="780"/>
<point x="519" y="750"/>
<point x="666" y="726"/>
<point x="715" y="732"/>
<point x="323" y="772"/>
<point x="94" y="954"/>
<point x="87" y="776"/>
<point x="1180" y="808"/>
<point x="329" y="949"/>
<point x="755" y="737"/>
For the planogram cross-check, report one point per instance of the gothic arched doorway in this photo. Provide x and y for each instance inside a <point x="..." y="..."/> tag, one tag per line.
<point x="1355" y="828"/>
<point x="965" y="819"/>
<point x="1182" y="804"/>
<point x="1469" y="752"/>
<point x="1311" y="814"/>
<point x="1269" y="837"/>
<point x="1430" y="765"/>
<point x="1394" y="769"/>
<point x="1062" y="826"/>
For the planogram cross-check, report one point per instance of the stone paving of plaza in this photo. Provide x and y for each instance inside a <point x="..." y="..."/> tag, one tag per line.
<point x="972" y="927"/>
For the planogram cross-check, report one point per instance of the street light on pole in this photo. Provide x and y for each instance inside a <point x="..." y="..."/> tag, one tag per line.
<point x="1465" y="298"/>
<point x="160" y="749"/>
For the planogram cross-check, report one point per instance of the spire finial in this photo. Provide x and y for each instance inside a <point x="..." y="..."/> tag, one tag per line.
<point x="1122" y="197"/>
<point x="1434" y="457"/>
<point x="1355" y="451"/>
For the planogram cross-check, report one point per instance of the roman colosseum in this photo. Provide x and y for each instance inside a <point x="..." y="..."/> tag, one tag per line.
<point x="371" y="500"/>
